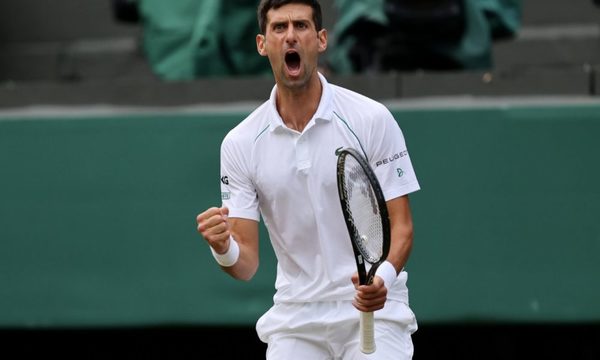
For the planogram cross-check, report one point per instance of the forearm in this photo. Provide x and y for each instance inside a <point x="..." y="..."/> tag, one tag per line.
<point x="400" y="248"/>
<point x="245" y="233"/>
<point x="246" y="264"/>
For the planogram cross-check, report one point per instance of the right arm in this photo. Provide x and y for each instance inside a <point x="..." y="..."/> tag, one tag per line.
<point x="217" y="228"/>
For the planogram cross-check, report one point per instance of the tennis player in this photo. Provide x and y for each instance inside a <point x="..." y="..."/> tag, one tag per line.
<point x="280" y="164"/>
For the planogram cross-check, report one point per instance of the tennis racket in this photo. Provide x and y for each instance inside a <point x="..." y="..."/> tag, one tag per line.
<point x="366" y="216"/>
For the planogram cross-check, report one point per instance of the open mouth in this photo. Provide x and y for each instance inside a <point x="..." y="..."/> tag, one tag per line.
<point x="292" y="61"/>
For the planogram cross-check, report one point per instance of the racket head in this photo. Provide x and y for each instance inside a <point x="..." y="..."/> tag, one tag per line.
<point x="364" y="209"/>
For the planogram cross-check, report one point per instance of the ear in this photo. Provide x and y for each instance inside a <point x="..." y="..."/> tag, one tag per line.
<point x="322" y="36"/>
<point x="261" y="44"/>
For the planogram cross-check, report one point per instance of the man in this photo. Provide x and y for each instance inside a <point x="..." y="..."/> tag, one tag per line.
<point x="279" y="164"/>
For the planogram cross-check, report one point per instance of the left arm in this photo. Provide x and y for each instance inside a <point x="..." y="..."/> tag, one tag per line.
<point x="372" y="297"/>
<point x="402" y="232"/>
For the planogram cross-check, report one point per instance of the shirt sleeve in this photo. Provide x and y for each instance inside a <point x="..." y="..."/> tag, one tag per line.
<point x="389" y="157"/>
<point x="237" y="188"/>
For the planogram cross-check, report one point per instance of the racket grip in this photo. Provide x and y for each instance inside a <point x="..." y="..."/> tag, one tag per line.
<point x="367" y="333"/>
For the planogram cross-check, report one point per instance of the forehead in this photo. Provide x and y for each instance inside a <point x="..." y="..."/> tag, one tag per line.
<point x="290" y="12"/>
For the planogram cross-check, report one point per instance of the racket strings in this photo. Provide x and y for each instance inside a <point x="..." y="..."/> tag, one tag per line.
<point x="365" y="214"/>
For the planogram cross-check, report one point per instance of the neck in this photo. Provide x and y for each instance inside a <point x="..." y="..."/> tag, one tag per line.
<point x="296" y="106"/>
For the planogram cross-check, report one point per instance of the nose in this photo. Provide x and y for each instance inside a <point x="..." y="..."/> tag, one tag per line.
<point x="290" y="35"/>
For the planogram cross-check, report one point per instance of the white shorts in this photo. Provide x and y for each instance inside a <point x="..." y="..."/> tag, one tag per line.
<point x="330" y="330"/>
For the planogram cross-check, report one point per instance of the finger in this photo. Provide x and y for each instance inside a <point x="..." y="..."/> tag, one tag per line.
<point x="371" y="288"/>
<point x="367" y="296"/>
<point x="354" y="280"/>
<point x="207" y="214"/>
<point x="363" y="305"/>
<point x="214" y="227"/>
<point x="210" y="219"/>
<point x="372" y="292"/>
<point x="370" y="303"/>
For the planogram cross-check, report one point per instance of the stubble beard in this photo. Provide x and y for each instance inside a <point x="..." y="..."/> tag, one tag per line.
<point x="296" y="84"/>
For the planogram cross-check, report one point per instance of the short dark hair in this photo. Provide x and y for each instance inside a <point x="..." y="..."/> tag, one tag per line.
<point x="266" y="5"/>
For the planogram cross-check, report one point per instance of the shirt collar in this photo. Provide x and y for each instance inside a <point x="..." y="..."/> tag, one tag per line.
<point x="324" y="110"/>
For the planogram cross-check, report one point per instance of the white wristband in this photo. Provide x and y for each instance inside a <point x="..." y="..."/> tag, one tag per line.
<point x="387" y="272"/>
<point x="230" y="257"/>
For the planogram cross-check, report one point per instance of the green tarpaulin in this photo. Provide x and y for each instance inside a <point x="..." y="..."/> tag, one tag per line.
<point x="188" y="39"/>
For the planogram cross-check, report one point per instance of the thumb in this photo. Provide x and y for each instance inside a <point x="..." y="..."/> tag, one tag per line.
<point x="225" y="215"/>
<point x="378" y="281"/>
<point x="225" y="211"/>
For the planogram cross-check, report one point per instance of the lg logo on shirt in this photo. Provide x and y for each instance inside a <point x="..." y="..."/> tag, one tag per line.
<point x="225" y="195"/>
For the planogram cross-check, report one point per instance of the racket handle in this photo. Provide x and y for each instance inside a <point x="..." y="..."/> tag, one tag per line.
<point x="367" y="333"/>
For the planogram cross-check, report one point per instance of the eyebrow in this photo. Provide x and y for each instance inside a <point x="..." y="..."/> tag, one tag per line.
<point x="286" y="21"/>
<point x="286" y="18"/>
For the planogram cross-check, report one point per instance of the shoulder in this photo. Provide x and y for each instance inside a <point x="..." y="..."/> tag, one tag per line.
<point x="350" y="104"/>
<point x="355" y="101"/>
<point x="250" y="127"/>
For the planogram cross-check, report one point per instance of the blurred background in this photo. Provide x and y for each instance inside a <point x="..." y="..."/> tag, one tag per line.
<point x="111" y="118"/>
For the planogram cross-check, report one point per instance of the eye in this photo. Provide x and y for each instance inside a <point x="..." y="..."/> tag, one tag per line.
<point x="280" y="27"/>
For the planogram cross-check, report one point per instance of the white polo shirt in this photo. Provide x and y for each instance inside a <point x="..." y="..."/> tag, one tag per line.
<point x="289" y="178"/>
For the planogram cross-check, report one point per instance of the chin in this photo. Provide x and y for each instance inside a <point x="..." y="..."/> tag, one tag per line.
<point x="297" y="80"/>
